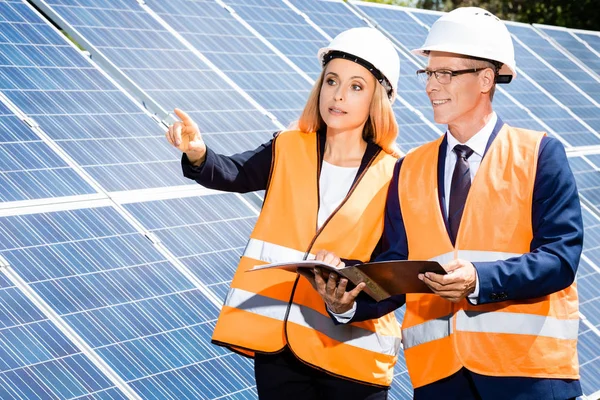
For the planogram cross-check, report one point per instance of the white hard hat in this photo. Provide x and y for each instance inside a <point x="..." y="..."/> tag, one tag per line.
<point x="475" y="32"/>
<point x="370" y="45"/>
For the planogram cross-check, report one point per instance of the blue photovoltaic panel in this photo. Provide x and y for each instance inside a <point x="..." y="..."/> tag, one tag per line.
<point x="567" y="40"/>
<point x="242" y="56"/>
<point x="558" y="60"/>
<point x="588" y="280"/>
<point x="78" y="107"/>
<point x="592" y="38"/>
<point x="131" y="305"/>
<point x="542" y="106"/>
<point x="285" y="29"/>
<point x="560" y="89"/>
<point x="588" y="179"/>
<point x="333" y="18"/>
<point x="37" y="361"/>
<point x="168" y="71"/>
<point x="207" y="234"/>
<point x="29" y="169"/>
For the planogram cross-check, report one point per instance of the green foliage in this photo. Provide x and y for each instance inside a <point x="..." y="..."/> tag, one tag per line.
<point x="582" y="14"/>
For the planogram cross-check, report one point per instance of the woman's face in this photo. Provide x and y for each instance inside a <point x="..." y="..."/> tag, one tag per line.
<point x="346" y="95"/>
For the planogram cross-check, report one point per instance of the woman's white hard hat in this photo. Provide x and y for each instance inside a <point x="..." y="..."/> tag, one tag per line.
<point x="474" y="32"/>
<point x="370" y="45"/>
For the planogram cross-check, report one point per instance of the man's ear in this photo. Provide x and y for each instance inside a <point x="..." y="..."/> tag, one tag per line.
<point x="487" y="80"/>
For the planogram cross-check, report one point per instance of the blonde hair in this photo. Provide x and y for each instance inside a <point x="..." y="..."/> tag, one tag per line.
<point x="381" y="127"/>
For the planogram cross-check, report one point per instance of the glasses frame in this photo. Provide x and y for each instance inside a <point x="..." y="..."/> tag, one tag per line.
<point x="451" y="74"/>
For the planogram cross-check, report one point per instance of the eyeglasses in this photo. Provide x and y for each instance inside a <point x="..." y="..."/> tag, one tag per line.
<point x="444" y="76"/>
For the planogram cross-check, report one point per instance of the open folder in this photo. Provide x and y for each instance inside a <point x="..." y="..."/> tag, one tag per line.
<point x="383" y="278"/>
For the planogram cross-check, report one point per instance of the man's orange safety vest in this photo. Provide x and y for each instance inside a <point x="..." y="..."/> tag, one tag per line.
<point x="266" y="310"/>
<point x="528" y="338"/>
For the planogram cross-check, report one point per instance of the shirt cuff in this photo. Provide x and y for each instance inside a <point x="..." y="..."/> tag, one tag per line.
<point x="343" y="318"/>
<point x="473" y="297"/>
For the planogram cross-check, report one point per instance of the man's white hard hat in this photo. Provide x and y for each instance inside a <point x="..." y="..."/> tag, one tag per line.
<point x="474" y="32"/>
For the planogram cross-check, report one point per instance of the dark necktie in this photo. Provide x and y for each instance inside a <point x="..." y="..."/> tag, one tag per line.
<point x="459" y="188"/>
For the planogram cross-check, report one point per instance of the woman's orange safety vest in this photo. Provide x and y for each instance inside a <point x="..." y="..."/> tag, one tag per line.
<point x="266" y="310"/>
<point x="528" y="338"/>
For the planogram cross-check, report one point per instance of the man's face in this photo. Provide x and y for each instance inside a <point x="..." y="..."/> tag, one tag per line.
<point x="456" y="101"/>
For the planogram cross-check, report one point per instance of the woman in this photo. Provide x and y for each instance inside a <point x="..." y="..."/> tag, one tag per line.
<point x="326" y="186"/>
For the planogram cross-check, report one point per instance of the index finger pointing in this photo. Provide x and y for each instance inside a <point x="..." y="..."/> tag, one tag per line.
<point x="185" y="118"/>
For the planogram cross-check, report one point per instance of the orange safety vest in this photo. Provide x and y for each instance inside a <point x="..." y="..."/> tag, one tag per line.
<point x="527" y="338"/>
<point x="266" y="310"/>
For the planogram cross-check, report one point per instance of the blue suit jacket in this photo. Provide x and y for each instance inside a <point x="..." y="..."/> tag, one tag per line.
<point x="550" y="266"/>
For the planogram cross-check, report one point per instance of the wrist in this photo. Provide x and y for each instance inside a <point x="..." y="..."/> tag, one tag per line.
<point x="195" y="158"/>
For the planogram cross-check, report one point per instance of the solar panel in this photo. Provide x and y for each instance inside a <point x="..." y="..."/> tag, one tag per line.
<point x="78" y="107"/>
<point x="585" y="83"/>
<point x="140" y="282"/>
<point x="124" y="297"/>
<point x="587" y="176"/>
<point x="164" y="69"/>
<point x="591" y="38"/>
<point x="571" y="43"/>
<point x="256" y="68"/>
<point x="37" y="360"/>
<point x="29" y="168"/>
<point x="588" y="279"/>
<point x="278" y="23"/>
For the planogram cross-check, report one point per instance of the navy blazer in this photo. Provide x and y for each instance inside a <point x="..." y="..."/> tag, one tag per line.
<point x="550" y="266"/>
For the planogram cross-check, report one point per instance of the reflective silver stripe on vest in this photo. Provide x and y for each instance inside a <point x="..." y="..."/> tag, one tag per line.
<point x="272" y="253"/>
<point x="474" y="256"/>
<point x="426" y="332"/>
<point x="517" y="323"/>
<point x="305" y="316"/>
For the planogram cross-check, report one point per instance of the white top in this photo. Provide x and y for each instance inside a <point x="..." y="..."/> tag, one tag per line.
<point x="334" y="184"/>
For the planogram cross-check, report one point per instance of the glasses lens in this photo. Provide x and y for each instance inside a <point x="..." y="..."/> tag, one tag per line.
<point x="443" y="77"/>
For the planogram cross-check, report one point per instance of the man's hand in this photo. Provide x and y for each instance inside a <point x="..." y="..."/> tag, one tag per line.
<point x="457" y="284"/>
<point x="331" y="288"/>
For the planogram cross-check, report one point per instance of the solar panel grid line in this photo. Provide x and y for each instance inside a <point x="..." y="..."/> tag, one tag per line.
<point x="57" y="149"/>
<point x="182" y="268"/>
<point x="543" y="30"/>
<point x="141" y="195"/>
<point x="589" y="261"/>
<point x="586" y="44"/>
<point x="533" y="116"/>
<point x="83" y="112"/>
<point x="201" y="56"/>
<point x="265" y="41"/>
<point x="67" y="330"/>
<point x="307" y="19"/>
<point x="107" y="66"/>
<point x="575" y="60"/>
<point x="552" y="68"/>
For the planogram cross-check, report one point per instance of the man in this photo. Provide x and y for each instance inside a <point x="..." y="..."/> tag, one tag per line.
<point x="503" y="322"/>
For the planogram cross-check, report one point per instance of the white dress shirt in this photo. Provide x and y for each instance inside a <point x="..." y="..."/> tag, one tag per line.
<point x="478" y="144"/>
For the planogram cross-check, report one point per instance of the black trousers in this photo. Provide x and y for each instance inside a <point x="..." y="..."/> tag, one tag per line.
<point x="282" y="376"/>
